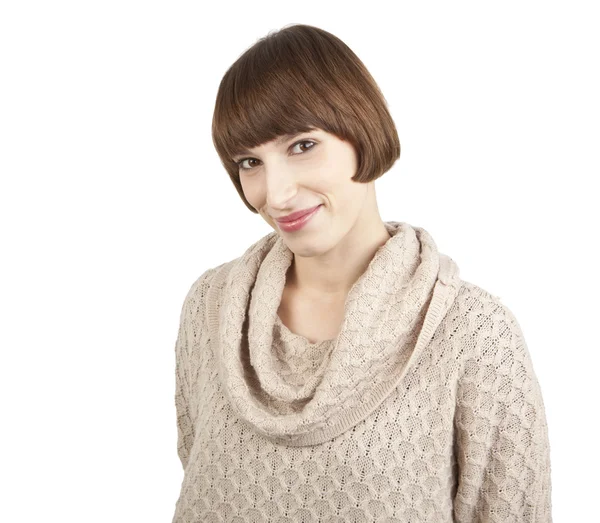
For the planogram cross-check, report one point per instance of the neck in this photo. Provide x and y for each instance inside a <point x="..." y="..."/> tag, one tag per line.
<point x="331" y="275"/>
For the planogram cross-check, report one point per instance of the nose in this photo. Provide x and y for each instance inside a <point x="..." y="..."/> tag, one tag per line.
<point x="280" y="186"/>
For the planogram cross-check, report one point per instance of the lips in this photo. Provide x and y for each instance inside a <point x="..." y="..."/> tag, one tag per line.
<point x="300" y="223"/>
<point x="296" y="215"/>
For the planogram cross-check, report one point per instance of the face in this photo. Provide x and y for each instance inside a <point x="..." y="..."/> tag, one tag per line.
<point x="299" y="172"/>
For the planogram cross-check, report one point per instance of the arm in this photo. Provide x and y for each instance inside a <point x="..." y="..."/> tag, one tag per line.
<point x="185" y="426"/>
<point x="191" y="328"/>
<point x="501" y="439"/>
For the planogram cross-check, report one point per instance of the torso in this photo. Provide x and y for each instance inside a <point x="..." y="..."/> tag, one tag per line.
<point x="316" y="320"/>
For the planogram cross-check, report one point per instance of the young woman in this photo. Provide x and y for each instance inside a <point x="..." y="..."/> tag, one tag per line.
<point x="340" y="369"/>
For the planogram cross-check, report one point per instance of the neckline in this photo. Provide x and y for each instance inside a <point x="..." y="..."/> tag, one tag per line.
<point x="290" y="394"/>
<point x="292" y="336"/>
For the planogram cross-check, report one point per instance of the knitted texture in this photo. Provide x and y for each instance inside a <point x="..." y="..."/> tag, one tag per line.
<point x="425" y="407"/>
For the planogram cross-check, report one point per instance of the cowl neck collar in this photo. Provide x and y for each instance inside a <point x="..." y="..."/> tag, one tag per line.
<point x="391" y="313"/>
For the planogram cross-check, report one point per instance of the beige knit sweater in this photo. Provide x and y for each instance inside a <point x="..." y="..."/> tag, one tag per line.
<point x="424" y="408"/>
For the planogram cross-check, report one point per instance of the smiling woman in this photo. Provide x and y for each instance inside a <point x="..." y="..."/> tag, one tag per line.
<point x="340" y="369"/>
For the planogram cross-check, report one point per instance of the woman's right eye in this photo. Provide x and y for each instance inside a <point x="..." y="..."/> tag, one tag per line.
<point x="240" y="162"/>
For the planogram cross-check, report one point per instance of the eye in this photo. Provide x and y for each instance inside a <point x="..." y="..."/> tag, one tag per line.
<point x="303" y="142"/>
<point x="242" y="168"/>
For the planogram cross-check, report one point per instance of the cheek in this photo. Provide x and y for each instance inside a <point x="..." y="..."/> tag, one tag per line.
<point x="351" y="197"/>
<point x="250" y="193"/>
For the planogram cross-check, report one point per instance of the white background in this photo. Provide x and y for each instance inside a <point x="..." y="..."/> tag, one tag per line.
<point x="113" y="201"/>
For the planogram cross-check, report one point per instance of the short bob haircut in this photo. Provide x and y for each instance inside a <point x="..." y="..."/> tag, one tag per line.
<point x="292" y="81"/>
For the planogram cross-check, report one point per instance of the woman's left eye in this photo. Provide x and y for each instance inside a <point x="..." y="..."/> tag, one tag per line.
<point x="302" y="142"/>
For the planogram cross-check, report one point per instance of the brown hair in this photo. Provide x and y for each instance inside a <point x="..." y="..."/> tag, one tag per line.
<point x="296" y="79"/>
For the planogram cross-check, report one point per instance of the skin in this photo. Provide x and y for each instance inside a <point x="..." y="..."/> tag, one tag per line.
<point x="335" y="247"/>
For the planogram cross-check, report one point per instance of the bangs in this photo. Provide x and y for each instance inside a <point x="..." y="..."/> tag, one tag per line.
<point x="265" y="98"/>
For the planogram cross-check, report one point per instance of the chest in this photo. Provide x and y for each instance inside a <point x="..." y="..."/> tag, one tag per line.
<point x="315" y="319"/>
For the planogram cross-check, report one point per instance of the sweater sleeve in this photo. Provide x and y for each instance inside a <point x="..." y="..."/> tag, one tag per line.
<point x="191" y="328"/>
<point x="501" y="438"/>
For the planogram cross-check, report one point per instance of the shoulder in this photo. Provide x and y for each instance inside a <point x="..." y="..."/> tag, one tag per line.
<point x="198" y="291"/>
<point x="489" y="326"/>
<point x="491" y="341"/>
<point x="481" y="306"/>
<point x="216" y="276"/>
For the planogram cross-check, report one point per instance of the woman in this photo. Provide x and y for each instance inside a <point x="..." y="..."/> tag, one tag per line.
<point x="340" y="370"/>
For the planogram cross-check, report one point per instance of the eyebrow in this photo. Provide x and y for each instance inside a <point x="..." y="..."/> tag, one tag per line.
<point x="281" y="139"/>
